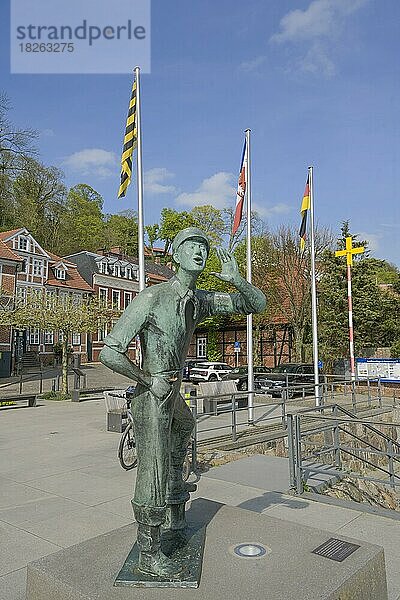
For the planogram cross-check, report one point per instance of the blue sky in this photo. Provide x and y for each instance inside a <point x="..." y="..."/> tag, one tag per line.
<point x="317" y="82"/>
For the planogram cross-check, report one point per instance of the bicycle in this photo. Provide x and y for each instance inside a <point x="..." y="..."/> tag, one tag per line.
<point x="127" y="453"/>
<point x="127" y="445"/>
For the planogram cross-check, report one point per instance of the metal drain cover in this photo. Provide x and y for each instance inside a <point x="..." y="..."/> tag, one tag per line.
<point x="335" y="549"/>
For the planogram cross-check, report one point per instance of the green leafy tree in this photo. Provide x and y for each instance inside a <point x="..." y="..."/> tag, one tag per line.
<point x="153" y="234"/>
<point x="209" y="220"/>
<point x="171" y="222"/>
<point x="375" y="310"/>
<point x="121" y="231"/>
<point x="40" y="196"/>
<point x="65" y="314"/>
<point x="83" y="220"/>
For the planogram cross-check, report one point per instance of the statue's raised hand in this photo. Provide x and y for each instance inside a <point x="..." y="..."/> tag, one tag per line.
<point x="229" y="268"/>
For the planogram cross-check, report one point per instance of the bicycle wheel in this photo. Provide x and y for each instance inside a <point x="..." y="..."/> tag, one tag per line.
<point x="127" y="449"/>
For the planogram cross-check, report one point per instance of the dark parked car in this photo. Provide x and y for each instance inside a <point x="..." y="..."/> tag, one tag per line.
<point x="240" y="374"/>
<point x="189" y="364"/>
<point x="290" y="375"/>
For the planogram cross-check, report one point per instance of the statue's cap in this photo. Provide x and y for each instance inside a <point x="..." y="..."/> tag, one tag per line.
<point x="187" y="234"/>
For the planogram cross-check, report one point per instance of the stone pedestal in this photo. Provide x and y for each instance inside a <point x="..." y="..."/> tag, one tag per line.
<point x="288" y="569"/>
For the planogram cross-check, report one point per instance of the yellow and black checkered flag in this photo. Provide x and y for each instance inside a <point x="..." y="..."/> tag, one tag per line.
<point x="130" y="143"/>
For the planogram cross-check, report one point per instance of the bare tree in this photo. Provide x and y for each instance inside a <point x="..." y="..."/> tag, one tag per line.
<point x="13" y="140"/>
<point x="284" y="274"/>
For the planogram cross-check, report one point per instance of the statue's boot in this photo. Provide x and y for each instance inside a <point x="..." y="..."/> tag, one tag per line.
<point x="152" y="560"/>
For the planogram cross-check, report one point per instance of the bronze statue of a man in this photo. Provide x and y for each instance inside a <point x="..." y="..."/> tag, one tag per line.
<point x="165" y="317"/>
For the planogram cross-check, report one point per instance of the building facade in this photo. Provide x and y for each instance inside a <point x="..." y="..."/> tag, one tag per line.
<point x="41" y="272"/>
<point x="114" y="278"/>
<point x="10" y="263"/>
<point x="272" y="344"/>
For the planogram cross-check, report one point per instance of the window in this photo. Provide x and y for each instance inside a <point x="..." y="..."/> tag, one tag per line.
<point x="21" y="294"/>
<point x="35" y="296"/>
<point x="128" y="273"/>
<point x="60" y="273"/>
<point x="49" y="337"/>
<point x="24" y="266"/>
<point x="76" y="339"/>
<point x="103" y="295"/>
<point x="103" y="268"/>
<point x="34" y="337"/>
<point x="23" y="243"/>
<point x="116" y="298"/>
<point x="102" y="333"/>
<point x="116" y="271"/>
<point x="128" y="299"/>
<point x="201" y="347"/>
<point x="50" y="298"/>
<point x="38" y="267"/>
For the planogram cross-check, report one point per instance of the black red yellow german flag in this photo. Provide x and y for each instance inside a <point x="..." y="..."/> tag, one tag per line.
<point x="305" y="207"/>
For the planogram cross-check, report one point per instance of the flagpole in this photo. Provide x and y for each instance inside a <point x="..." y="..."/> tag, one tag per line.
<point x="142" y="272"/>
<point x="250" y="373"/>
<point x="314" y="316"/>
<point x="351" y="330"/>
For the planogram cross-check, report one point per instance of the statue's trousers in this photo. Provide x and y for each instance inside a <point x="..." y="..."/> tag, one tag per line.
<point x="162" y="431"/>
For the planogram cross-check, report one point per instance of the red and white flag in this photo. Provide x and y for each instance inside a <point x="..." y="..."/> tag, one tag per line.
<point x="241" y="190"/>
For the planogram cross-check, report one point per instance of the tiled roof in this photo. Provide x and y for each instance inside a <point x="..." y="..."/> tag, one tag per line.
<point x="6" y="234"/>
<point x="7" y="253"/>
<point x="73" y="280"/>
<point x="54" y="259"/>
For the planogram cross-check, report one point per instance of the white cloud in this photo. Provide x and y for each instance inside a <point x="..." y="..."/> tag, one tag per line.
<point x="92" y="161"/>
<point x="253" y="64"/>
<point x="269" y="211"/>
<point x="316" y="60"/>
<point x="216" y="190"/>
<point x="320" y="19"/>
<point x="373" y="240"/>
<point x="155" y="181"/>
<point x="316" y="26"/>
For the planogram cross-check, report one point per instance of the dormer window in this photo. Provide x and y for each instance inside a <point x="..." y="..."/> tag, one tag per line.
<point x="103" y="268"/>
<point x="60" y="274"/>
<point x="23" y="243"/>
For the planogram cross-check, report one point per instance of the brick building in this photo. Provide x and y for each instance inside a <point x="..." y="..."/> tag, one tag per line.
<point x="272" y="343"/>
<point x="114" y="278"/>
<point x="42" y="272"/>
<point x="10" y="262"/>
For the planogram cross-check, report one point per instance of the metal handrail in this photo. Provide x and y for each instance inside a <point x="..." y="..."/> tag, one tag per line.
<point x="296" y="467"/>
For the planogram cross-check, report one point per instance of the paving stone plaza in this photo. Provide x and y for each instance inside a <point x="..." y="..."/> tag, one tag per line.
<point x="61" y="484"/>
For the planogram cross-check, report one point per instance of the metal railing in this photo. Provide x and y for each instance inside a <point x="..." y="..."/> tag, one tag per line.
<point x="332" y="426"/>
<point x="355" y="394"/>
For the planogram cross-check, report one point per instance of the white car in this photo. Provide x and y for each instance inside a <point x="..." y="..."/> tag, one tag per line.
<point x="209" y="371"/>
